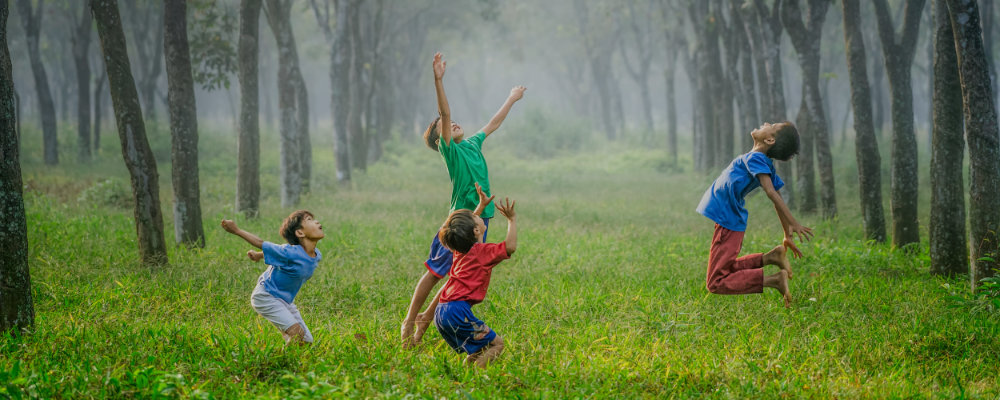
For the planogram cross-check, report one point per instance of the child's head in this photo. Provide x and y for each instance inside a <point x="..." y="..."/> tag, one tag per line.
<point x="433" y="133"/>
<point x="300" y="225"/>
<point x="461" y="230"/>
<point x="782" y="139"/>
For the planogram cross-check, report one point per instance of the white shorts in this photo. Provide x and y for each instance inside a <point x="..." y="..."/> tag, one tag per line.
<point x="282" y="314"/>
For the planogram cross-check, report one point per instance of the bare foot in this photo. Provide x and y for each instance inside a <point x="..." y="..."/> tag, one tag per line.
<point x="782" y="286"/>
<point x="778" y="256"/>
<point x="406" y="334"/>
<point x="420" y="328"/>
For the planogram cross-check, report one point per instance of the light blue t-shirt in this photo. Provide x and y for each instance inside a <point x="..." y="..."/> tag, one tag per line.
<point x="723" y="202"/>
<point x="290" y="267"/>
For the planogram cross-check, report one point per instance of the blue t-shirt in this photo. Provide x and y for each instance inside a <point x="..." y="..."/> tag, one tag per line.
<point x="724" y="201"/>
<point x="290" y="267"/>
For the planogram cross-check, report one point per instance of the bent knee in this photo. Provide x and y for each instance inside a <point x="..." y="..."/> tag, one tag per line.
<point x="296" y="330"/>
<point x="714" y="288"/>
<point x="497" y="342"/>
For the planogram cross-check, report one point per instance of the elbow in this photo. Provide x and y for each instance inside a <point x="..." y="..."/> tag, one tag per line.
<point x="511" y="250"/>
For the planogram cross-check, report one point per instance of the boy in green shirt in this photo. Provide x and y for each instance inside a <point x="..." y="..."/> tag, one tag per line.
<point x="467" y="169"/>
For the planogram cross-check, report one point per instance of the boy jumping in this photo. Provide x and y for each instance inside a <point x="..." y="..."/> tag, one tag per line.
<point x="723" y="203"/>
<point x="289" y="266"/>
<point x="466" y="168"/>
<point x="469" y="278"/>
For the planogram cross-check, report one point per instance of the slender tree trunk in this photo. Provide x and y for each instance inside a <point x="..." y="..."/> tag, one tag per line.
<point x="669" y="73"/>
<point x="132" y="133"/>
<point x="183" y="126"/>
<point x="248" y="142"/>
<point x="32" y="20"/>
<point x="359" y="137"/>
<point x="340" y="62"/>
<point x="302" y="113"/>
<point x="16" y="307"/>
<point x="898" y="54"/>
<point x="805" y="161"/>
<point x="99" y="89"/>
<point x="865" y="142"/>
<point x="770" y="30"/>
<point x="81" y="47"/>
<point x="949" y="254"/>
<point x="291" y="173"/>
<point x="747" y="97"/>
<point x="982" y="135"/>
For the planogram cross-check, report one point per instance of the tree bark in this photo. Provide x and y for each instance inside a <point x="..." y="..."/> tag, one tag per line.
<point x="982" y="135"/>
<point x="248" y="142"/>
<point x="865" y="142"/>
<point x="773" y="95"/>
<point x="949" y="254"/>
<point x="148" y="44"/>
<point x="807" y="40"/>
<point x="81" y="47"/>
<point x="359" y="137"/>
<point x="132" y="133"/>
<point x="16" y="306"/>
<point x="340" y="80"/>
<point x="98" y="112"/>
<point x="32" y="20"/>
<point x="183" y="126"/>
<point x="277" y="12"/>
<point x="898" y="54"/>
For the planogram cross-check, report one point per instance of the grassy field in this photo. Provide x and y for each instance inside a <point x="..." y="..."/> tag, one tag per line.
<point x="604" y="298"/>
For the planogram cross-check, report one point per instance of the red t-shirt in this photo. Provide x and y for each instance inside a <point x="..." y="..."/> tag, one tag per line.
<point x="470" y="272"/>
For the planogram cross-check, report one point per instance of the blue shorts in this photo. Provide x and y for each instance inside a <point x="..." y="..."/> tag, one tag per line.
<point x="439" y="259"/>
<point x="462" y="330"/>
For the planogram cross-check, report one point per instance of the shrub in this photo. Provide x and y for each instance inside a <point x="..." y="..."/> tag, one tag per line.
<point x="111" y="192"/>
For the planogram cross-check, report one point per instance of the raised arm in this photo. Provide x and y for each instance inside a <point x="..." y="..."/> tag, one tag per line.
<point x="515" y="94"/>
<point x="443" y="109"/>
<point x="230" y="226"/>
<point x="506" y="208"/>
<point x="788" y="223"/>
<point x="483" y="200"/>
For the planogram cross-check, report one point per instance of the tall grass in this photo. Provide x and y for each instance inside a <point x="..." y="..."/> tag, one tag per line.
<point x="604" y="298"/>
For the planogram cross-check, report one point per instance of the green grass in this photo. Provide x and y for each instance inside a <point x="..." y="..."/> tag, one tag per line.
<point x="604" y="298"/>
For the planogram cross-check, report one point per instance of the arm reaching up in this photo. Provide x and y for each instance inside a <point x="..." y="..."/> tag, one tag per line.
<point x="515" y="94"/>
<point x="230" y="226"/>
<point x="483" y="201"/>
<point x="443" y="109"/>
<point x="788" y="222"/>
<point x="506" y="208"/>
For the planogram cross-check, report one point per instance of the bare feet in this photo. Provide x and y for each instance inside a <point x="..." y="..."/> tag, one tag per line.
<point x="779" y="281"/>
<point x="778" y="256"/>
<point x="421" y="327"/>
<point x="406" y="334"/>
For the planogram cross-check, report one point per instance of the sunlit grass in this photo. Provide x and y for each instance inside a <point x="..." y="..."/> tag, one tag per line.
<point x="604" y="298"/>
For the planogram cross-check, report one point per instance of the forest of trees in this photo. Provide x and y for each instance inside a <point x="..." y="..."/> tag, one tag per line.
<point x="656" y="71"/>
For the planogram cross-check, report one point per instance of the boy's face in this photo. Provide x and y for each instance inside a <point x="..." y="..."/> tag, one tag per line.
<point x="457" y="134"/>
<point x="765" y="134"/>
<point x="480" y="229"/>
<point x="311" y="229"/>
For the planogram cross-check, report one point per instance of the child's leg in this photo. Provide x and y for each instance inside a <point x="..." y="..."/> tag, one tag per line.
<point x="305" y="336"/>
<point x="425" y="318"/>
<point x="487" y="354"/>
<point x="727" y="274"/>
<point x="779" y="281"/>
<point x="420" y="293"/>
<point x="778" y="256"/>
<point x="279" y="313"/>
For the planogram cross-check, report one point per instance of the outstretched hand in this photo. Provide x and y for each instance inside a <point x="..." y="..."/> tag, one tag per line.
<point x="517" y="92"/>
<point x="506" y="208"/>
<point x="790" y="246"/>
<point x="482" y="195"/>
<point x="230" y="226"/>
<point x="805" y="233"/>
<point x="439" y="66"/>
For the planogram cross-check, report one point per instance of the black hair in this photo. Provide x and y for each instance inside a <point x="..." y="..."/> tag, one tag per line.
<point x="292" y="224"/>
<point x="459" y="231"/>
<point x="786" y="142"/>
<point x="431" y="134"/>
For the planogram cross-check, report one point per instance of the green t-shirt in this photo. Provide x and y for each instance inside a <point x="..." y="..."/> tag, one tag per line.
<point x="466" y="166"/>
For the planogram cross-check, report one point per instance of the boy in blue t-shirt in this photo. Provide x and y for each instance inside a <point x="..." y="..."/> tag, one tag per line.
<point x="724" y="202"/>
<point x="289" y="266"/>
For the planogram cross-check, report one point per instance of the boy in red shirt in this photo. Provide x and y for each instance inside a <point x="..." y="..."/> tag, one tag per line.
<point x="469" y="278"/>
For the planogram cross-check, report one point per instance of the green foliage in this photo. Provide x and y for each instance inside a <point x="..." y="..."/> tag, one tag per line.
<point x="985" y="299"/>
<point x="212" y="37"/>
<point x="111" y="193"/>
<point x="537" y="134"/>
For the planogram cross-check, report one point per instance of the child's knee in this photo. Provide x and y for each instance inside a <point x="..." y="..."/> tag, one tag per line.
<point x="497" y="342"/>
<point x="714" y="287"/>
<point x="296" y="331"/>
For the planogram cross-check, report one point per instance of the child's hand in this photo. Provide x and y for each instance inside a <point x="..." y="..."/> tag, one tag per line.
<point x="805" y="233"/>
<point x="506" y="208"/>
<point x="482" y="195"/>
<point x="790" y="246"/>
<point x="255" y="255"/>
<point x="229" y="225"/>
<point x="439" y="66"/>
<point x="517" y="93"/>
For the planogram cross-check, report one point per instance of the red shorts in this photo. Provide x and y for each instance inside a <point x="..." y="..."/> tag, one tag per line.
<point x="728" y="274"/>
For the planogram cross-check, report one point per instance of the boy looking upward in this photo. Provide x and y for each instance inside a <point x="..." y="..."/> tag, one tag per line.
<point x="724" y="202"/>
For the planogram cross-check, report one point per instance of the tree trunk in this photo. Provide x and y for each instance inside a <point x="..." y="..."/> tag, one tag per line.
<point x="183" y="126"/>
<point x="949" y="254"/>
<point x="747" y="97"/>
<point x="81" y="46"/>
<point x="132" y="133"/>
<point x="669" y="73"/>
<point x="302" y="113"/>
<point x="32" y="20"/>
<point x="898" y="54"/>
<point x="16" y="307"/>
<point x="982" y="135"/>
<point x="865" y="142"/>
<point x="248" y="142"/>
<point x="805" y="161"/>
<point x="770" y="30"/>
<point x="807" y="40"/>
<point x="359" y="137"/>
<point x="98" y="101"/>
<point x="277" y="12"/>
<point x="340" y="67"/>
